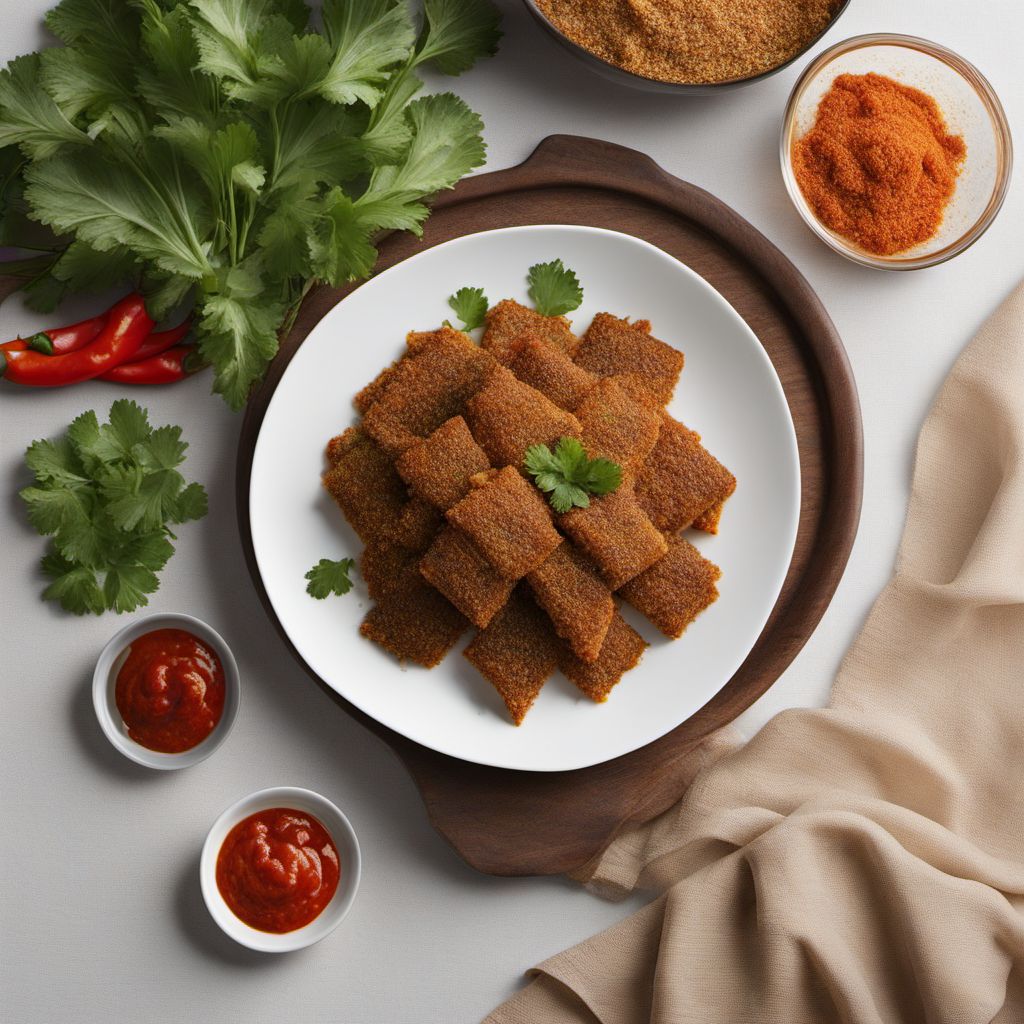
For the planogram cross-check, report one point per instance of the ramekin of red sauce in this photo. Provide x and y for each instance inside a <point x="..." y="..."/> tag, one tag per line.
<point x="166" y="690"/>
<point x="280" y="869"/>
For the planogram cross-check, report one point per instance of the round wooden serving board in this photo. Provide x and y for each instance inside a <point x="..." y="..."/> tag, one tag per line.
<point x="520" y="823"/>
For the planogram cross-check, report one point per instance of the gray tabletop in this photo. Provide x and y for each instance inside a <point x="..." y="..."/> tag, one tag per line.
<point x="101" y="917"/>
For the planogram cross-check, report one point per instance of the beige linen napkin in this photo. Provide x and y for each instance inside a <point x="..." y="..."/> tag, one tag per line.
<point x="862" y="862"/>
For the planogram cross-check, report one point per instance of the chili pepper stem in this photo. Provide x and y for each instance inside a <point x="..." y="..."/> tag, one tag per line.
<point x="41" y="343"/>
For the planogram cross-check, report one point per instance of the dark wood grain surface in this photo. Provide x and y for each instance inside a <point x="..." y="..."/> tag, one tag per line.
<point x="517" y="823"/>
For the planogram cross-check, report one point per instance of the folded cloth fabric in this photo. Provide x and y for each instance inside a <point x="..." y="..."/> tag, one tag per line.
<point x="863" y="862"/>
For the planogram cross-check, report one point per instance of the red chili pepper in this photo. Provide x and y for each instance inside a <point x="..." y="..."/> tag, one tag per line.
<point x="127" y="325"/>
<point x="58" y="341"/>
<point x="165" y="368"/>
<point x="161" y="341"/>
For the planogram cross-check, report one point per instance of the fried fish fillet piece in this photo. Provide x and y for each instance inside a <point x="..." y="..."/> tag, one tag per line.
<point x="617" y="426"/>
<point x="383" y="566"/>
<point x="509" y="320"/>
<point x="681" y="481"/>
<point x="508" y="520"/>
<point x="427" y="387"/>
<point x="614" y="346"/>
<point x="621" y="651"/>
<point x="676" y="589"/>
<point x="507" y="416"/>
<point x="616" y="536"/>
<point x="516" y="653"/>
<point x="414" y="621"/>
<point x="437" y="469"/>
<point x="454" y="565"/>
<point x="417" y="525"/>
<point x="362" y="480"/>
<point x="551" y="371"/>
<point x="578" y="603"/>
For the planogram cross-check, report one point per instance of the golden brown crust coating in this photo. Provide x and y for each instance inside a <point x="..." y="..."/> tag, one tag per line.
<point x="550" y="370"/>
<point x="508" y="521"/>
<point x="676" y="589"/>
<point x="615" y="346"/>
<point x="414" y="622"/>
<point x="363" y="482"/>
<point x="384" y="565"/>
<point x="709" y="521"/>
<point x="579" y="605"/>
<point x="417" y="525"/>
<point x="455" y="567"/>
<point x="516" y="653"/>
<point x="438" y="468"/>
<point x="509" y="320"/>
<point x="429" y="386"/>
<point x="616" y="426"/>
<point x="622" y="650"/>
<point x="616" y="535"/>
<point x="681" y="479"/>
<point x="507" y="416"/>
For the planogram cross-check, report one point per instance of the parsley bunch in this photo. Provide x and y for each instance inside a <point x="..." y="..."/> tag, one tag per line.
<point x="568" y="476"/>
<point x="105" y="494"/>
<point x="224" y="153"/>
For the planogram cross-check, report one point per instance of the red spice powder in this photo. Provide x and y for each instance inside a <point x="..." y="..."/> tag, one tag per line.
<point x="879" y="166"/>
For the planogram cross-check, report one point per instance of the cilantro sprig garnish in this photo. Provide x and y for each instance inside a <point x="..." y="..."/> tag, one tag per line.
<point x="230" y="154"/>
<point x="470" y="305"/>
<point x="567" y="476"/>
<point x="554" y="290"/>
<point x="105" y="494"/>
<point x="329" y="577"/>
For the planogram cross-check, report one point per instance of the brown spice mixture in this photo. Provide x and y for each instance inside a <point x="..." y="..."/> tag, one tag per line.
<point x="879" y="166"/>
<point x="691" y="41"/>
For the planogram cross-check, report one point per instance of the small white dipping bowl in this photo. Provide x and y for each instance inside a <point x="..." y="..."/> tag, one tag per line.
<point x="104" y="680"/>
<point x="330" y="917"/>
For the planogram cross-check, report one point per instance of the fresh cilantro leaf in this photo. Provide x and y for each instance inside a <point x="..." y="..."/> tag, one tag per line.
<point x="329" y="577"/>
<point x="603" y="476"/>
<point x="191" y="503"/>
<point x="366" y="40"/>
<point x="105" y="493"/>
<point x="126" y="586"/>
<point x="109" y="27"/>
<point x="458" y="33"/>
<point x="553" y="289"/>
<point x="28" y="116"/>
<point x="446" y="144"/>
<point x="388" y="133"/>
<point x="82" y="269"/>
<point x="470" y="305"/>
<point x="112" y="204"/>
<point x="86" y="81"/>
<point x="55" y="461"/>
<point x="340" y="248"/>
<point x="238" y="332"/>
<point x="73" y="586"/>
<point x="568" y="476"/>
<point x="168" y="77"/>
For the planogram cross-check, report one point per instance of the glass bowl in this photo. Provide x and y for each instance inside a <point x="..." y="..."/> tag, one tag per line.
<point x="614" y="73"/>
<point x="971" y="109"/>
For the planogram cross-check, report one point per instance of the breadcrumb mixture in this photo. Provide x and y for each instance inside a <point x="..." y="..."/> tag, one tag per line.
<point x="691" y="41"/>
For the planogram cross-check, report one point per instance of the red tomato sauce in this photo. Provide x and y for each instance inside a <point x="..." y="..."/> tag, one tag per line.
<point x="170" y="690"/>
<point x="278" y="869"/>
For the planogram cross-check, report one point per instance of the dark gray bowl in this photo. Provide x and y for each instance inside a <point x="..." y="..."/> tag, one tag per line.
<point x="617" y="74"/>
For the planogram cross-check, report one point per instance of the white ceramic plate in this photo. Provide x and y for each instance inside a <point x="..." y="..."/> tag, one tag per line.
<point x="729" y="392"/>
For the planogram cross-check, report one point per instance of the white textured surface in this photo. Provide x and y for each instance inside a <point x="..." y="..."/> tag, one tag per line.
<point x="100" y="913"/>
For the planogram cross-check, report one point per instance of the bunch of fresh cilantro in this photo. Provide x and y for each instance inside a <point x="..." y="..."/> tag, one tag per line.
<point x="105" y="494"/>
<point x="228" y="153"/>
